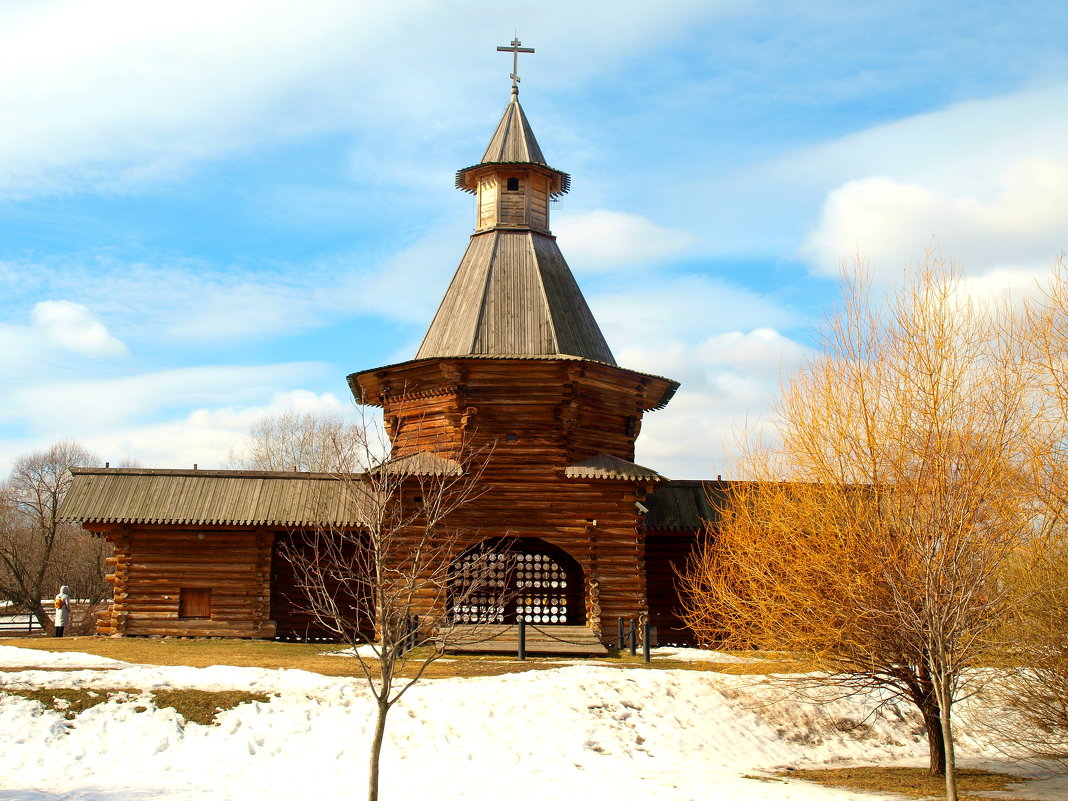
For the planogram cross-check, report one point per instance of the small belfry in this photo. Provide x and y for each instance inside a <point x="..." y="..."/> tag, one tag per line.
<point x="512" y="182"/>
<point x="513" y="294"/>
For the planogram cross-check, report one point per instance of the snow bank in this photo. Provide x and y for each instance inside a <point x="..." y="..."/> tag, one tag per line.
<point x="662" y="735"/>
<point x="11" y="657"/>
<point x="701" y="655"/>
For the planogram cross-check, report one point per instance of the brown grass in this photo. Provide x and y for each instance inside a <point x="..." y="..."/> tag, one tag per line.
<point x="912" y="782"/>
<point x="195" y="706"/>
<point x="313" y="657"/>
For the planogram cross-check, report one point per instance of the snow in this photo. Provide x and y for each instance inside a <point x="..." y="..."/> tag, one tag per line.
<point x="568" y="732"/>
<point x="26" y="657"/>
<point x="701" y="655"/>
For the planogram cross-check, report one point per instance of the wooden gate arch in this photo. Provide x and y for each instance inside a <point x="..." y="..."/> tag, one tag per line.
<point x="500" y="579"/>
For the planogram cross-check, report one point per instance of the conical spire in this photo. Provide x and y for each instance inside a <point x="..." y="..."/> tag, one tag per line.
<point x="513" y="295"/>
<point x="513" y="143"/>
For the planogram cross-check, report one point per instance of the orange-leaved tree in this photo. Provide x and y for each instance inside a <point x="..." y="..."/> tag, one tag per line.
<point x="872" y="531"/>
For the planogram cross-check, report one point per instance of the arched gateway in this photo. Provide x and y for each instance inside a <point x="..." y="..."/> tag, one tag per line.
<point x="502" y="579"/>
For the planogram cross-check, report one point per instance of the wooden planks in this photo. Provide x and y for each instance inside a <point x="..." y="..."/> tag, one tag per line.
<point x="666" y="555"/>
<point x="555" y="641"/>
<point x="190" y="582"/>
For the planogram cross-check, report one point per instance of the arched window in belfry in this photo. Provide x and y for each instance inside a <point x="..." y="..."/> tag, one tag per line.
<point x="513" y="184"/>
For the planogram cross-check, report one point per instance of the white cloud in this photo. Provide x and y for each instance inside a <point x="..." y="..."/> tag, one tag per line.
<point x="58" y="332"/>
<point x="727" y="382"/>
<point x="683" y="308"/>
<point x="961" y="149"/>
<point x="109" y="93"/>
<point x="205" y="436"/>
<point x="191" y="301"/>
<point x="73" y="327"/>
<point x="1025" y="225"/>
<point x="986" y="182"/>
<point x="173" y="418"/>
<point x="74" y="407"/>
<point x="722" y="344"/>
<point x="609" y="241"/>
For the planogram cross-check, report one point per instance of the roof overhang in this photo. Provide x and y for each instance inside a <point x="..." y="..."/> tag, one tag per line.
<point x="467" y="178"/>
<point x="611" y="468"/>
<point x="280" y="499"/>
<point x="362" y="396"/>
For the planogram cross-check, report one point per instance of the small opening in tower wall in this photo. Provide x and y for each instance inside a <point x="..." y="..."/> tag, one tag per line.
<point x="511" y="437"/>
<point x="513" y="184"/>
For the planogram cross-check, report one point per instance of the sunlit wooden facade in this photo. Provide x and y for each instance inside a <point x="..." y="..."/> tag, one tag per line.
<point x="513" y="364"/>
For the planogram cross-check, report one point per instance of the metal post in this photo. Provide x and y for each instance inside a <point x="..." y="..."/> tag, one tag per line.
<point x="621" y="634"/>
<point x="633" y="637"/>
<point x="646" y="628"/>
<point x="522" y="639"/>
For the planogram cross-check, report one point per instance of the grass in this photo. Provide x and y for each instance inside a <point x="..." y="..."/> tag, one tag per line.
<point x="195" y="706"/>
<point x="314" y="657"/>
<point x="911" y="782"/>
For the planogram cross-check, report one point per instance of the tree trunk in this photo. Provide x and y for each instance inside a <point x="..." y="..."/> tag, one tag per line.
<point x="932" y="721"/>
<point x="38" y="611"/>
<point x="376" y="750"/>
<point x="947" y="738"/>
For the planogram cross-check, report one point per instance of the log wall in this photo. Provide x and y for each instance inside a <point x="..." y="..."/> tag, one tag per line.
<point x="151" y="565"/>
<point x="537" y="417"/>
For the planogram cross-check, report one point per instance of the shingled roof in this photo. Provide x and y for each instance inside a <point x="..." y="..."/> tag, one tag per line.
<point x="513" y="143"/>
<point x="210" y="497"/>
<point x="514" y="295"/>
<point x="604" y="466"/>
<point x="684" y="505"/>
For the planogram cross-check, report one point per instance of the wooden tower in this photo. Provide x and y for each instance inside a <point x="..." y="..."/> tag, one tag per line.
<point x="515" y="360"/>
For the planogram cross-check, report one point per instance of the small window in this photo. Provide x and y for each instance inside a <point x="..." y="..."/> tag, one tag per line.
<point x="513" y="184"/>
<point x="511" y="438"/>
<point x="194" y="603"/>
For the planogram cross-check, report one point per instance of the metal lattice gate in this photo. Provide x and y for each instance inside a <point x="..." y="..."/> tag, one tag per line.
<point x="530" y="578"/>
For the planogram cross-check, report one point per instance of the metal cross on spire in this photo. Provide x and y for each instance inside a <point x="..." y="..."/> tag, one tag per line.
<point x="515" y="50"/>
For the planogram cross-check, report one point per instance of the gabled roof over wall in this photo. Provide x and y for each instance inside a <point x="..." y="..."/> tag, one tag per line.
<point x="210" y="497"/>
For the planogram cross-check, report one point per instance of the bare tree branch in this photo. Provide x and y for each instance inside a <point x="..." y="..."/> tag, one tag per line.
<point x="389" y="585"/>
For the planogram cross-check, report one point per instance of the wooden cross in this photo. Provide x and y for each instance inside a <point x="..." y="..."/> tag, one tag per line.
<point x="515" y="50"/>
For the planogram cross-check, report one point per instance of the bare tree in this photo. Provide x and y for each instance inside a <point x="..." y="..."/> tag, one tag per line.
<point x="317" y="442"/>
<point x="875" y="533"/>
<point x="390" y="585"/>
<point x="37" y="551"/>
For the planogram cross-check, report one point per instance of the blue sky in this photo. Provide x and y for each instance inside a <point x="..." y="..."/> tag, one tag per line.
<point x="214" y="211"/>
